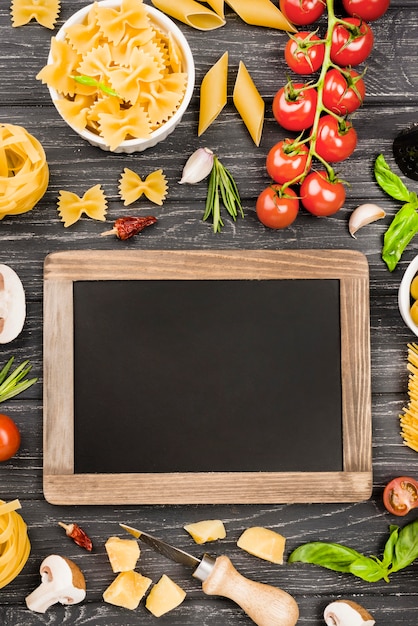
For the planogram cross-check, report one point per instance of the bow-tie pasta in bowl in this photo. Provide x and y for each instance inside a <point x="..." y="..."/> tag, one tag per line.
<point x="121" y="74"/>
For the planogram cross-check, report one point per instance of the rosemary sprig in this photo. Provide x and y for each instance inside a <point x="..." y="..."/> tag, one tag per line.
<point x="221" y="187"/>
<point x="12" y="384"/>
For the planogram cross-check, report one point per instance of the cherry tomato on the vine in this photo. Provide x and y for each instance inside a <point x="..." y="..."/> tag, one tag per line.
<point x="285" y="161"/>
<point x="304" y="52"/>
<point x="294" y="106"/>
<point x="277" y="209"/>
<point x="368" y="10"/>
<point x="302" y="12"/>
<point x="321" y="196"/>
<point x="336" y="139"/>
<point x="9" y="438"/>
<point x="343" y="91"/>
<point x="351" y="42"/>
<point x="401" y="495"/>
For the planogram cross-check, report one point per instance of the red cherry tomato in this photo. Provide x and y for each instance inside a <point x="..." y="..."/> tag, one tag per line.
<point x="9" y="438"/>
<point x="321" y="196"/>
<point x="336" y="139"/>
<point x="401" y="495"/>
<point x="343" y="91"/>
<point x="277" y="210"/>
<point x="294" y="106"/>
<point x="368" y="10"/>
<point x="285" y="162"/>
<point x="302" y="54"/>
<point x="302" y="12"/>
<point x="351" y="45"/>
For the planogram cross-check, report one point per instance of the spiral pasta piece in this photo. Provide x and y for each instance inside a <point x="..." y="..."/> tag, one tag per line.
<point x="14" y="542"/>
<point x="24" y="172"/>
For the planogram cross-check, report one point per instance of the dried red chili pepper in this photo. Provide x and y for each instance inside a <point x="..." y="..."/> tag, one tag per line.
<point x="126" y="227"/>
<point x="78" y="535"/>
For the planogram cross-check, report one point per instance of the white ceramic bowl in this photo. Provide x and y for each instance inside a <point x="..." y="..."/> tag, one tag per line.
<point x="165" y="24"/>
<point x="404" y="297"/>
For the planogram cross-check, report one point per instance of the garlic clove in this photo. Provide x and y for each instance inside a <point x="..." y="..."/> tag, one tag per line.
<point x="198" y="166"/>
<point x="363" y="215"/>
<point x="347" y="613"/>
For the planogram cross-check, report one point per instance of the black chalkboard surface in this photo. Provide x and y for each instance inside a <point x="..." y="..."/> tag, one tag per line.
<point x="206" y="376"/>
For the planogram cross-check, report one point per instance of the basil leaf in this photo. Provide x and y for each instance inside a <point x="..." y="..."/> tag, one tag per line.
<point x="400" y="232"/>
<point x="390" y="546"/>
<point x="368" y="569"/>
<point x="330" y="555"/>
<point x="390" y="182"/>
<point x="406" y="548"/>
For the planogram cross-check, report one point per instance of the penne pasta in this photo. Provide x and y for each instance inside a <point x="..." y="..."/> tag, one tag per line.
<point x="218" y="6"/>
<point x="213" y="93"/>
<point x="261" y="13"/>
<point x="191" y="13"/>
<point x="249" y="103"/>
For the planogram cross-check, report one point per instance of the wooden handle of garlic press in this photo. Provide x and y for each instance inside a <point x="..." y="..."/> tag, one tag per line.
<point x="264" y="604"/>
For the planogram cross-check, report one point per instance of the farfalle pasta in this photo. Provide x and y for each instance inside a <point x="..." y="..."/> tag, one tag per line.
<point x="45" y="13"/>
<point x="117" y="74"/>
<point x="132" y="187"/>
<point x="71" y="206"/>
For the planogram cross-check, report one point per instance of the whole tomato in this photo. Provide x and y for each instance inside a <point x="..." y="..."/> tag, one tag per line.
<point x="320" y="195"/>
<point x="401" y="495"/>
<point x="9" y="438"/>
<point x="286" y="162"/>
<point x="277" y="209"/>
<point x="336" y="139"/>
<point x="351" y="42"/>
<point x="304" y="52"/>
<point x="302" y="12"/>
<point x="294" y="106"/>
<point x="368" y="10"/>
<point x="343" y="91"/>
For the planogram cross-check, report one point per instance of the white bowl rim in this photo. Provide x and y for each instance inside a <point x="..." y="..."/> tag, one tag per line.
<point x="168" y="25"/>
<point x="404" y="295"/>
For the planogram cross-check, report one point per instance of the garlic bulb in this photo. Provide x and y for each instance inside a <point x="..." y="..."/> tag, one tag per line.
<point x="364" y="214"/>
<point x="198" y="166"/>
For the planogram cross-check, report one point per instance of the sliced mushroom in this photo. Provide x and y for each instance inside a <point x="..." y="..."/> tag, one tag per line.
<point x="347" y="613"/>
<point x="62" y="581"/>
<point x="12" y="304"/>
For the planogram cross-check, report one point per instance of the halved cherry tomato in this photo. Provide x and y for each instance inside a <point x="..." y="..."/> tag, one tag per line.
<point x="344" y="91"/>
<point x="294" y="106"/>
<point x="368" y="10"/>
<point x="336" y="139"/>
<point x="9" y="438"/>
<point x="285" y="161"/>
<point x="321" y="196"/>
<point x="276" y="209"/>
<point x="302" y="12"/>
<point x="352" y="42"/>
<point x="304" y="52"/>
<point x="401" y="495"/>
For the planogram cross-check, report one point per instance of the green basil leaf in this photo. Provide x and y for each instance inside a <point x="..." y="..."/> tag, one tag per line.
<point x="406" y="548"/>
<point x="390" y="546"/>
<point x="390" y="182"/>
<point x="368" y="569"/>
<point x="330" y="555"/>
<point x="400" y="232"/>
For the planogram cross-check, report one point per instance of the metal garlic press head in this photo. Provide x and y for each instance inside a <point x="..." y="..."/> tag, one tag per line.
<point x="405" y="151"/>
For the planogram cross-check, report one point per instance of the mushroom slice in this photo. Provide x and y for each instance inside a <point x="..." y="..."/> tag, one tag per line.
<point x="12" y="304"/>
<point x="62" y="581"/>
<point x="347" y="613"/>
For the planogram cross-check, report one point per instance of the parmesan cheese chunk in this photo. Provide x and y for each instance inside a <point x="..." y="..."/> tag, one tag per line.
<point x="164" y="596"/>
<point x="207" y="530"/>
<point x="123" y="553"/>
<point x="264" y="543"/>
<point x="127" y="590"/>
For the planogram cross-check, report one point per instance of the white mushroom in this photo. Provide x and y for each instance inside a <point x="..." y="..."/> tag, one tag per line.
<point x="347" y="613"/>
<point x="62" y="581"/>
<point x="12" y="304"/>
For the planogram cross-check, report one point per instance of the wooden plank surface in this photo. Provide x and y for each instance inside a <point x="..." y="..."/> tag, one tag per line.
<point x="391" y="105"/>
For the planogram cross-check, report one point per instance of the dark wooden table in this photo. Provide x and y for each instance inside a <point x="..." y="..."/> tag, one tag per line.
<point x="391" y="105"/>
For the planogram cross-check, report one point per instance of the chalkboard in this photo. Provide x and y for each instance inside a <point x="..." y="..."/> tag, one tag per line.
<point x="206" y="377"/>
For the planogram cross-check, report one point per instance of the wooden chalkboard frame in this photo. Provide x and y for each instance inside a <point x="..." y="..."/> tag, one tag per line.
<point x="63" y="486"/>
